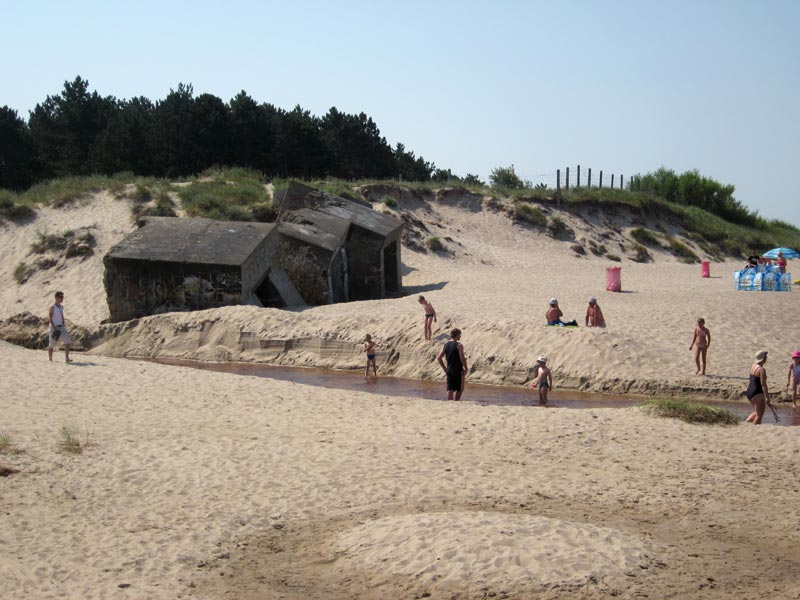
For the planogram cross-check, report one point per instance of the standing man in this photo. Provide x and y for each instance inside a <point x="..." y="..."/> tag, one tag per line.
<point x="58" y="328"/>
<point x="456" y="369"/>
<point x="430" y="315"/>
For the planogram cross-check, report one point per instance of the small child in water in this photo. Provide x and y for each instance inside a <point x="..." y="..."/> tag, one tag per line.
<point x="793" y="379"/>
<point x="369" y="349"/>
<point x="544" y="379"/>
<point x="702" y="340"/>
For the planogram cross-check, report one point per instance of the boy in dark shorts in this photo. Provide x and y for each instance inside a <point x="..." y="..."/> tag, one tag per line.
<point x="430" y="315"/>
<point x="456" y="368"/>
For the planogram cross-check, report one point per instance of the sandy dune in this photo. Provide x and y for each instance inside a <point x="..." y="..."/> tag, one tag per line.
<point x="196" y="484"/>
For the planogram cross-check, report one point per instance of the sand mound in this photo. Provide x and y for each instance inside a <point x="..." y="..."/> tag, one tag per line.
<point x="499" y="550"/>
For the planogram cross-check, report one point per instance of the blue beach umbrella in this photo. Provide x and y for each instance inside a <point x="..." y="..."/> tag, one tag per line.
<point x="787" y="253"/>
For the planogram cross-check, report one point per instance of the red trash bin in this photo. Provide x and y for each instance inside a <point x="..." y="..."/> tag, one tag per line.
<point x="614" y="279"/>
<point x="705" y="269"/>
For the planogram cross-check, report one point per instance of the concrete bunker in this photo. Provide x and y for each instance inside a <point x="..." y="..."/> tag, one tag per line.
<point x="324" y="249"/>
<point x="171" y="264"/>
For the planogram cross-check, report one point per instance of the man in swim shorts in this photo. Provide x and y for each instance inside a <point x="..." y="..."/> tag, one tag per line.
<point x="456" y="368"/>
<point x="430" y="315"/>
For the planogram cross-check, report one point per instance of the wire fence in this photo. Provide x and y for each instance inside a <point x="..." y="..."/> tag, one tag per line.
<point x="577" y="177"/>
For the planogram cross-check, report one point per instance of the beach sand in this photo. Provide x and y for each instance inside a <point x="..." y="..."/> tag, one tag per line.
<point x="196" y="484"/>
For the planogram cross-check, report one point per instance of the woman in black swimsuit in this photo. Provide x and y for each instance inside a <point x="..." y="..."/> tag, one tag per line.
<point x="757" y="392"/>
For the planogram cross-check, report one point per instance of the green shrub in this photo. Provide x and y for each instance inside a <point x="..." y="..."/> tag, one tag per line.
<point x="613" y="257"/>
<point x="683" y="251"/>
<point x="645" y="237"/>
<point x="558" y="229"/>
<point x="11" y="209"/>
<point x="80" y="244"/>
<point x="578" y="249"/>
<point x="641" y="254"/>
<point x="141" y="193"/>
<point x="691" y="412"/>
<point x="23" y="272"/>
<point x="224" y="195"/>
<point x="70" y="441"/>
<point x="6" y="444"/>
<point x="51" y="242"/>
<point x="597" y="249"/>
<point x="389" y="201"/>
<point x="434" y="244"/>
<point x="526" y="213"/>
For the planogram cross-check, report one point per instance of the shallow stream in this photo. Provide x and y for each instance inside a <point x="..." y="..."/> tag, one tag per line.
<point x="474" y="392"/>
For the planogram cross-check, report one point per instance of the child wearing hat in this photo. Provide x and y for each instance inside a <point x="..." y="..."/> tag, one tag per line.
<point x="793" y="379"/>
<point x="544" y="379"/>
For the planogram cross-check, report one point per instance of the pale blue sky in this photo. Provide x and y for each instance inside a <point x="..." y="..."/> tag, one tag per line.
<point x="622" y="86"/>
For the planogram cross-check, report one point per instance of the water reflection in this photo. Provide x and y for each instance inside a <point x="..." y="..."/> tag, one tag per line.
<point x="434" y="390"/>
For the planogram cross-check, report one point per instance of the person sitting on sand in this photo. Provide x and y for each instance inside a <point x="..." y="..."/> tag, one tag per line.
<point x="594" y="316"/>
<point x="544" y="379"/>
<point x="554" y="314"/>
<point x="794" y="376"/>
<point x="369" y="348"/>
<point x="430" y="315"/>
<point x="701" y="340"/>
<point x="757" y="392"/>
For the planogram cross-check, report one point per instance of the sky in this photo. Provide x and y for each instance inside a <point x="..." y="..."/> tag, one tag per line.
<point x="625" y="87"/>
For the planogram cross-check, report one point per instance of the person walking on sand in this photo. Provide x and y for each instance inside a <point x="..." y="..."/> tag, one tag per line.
<point x="430" y="315"/>
<point x="544" y="379"/>
<point x="701" y="341"/>
<point x="456" y="369"/>
<point x="794" y="376"/>
<point x="369" y="349"/>
<point x="57" y="328"/>
<point x="594" y="316"/>
<point x="757" y="392"/>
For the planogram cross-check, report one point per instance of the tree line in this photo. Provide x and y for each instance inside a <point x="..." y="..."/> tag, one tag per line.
<point x="80" y="132"/>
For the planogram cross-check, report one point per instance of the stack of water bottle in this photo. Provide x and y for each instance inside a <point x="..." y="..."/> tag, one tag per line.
<point x="763" y="278"/>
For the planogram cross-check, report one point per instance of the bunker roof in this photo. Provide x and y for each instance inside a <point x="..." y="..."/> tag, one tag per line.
<point x="199" y="241"/>
<point x="315" y="228"/>
<point x="361" y="216"/>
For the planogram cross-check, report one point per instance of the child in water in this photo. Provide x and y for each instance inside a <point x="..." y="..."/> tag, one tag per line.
<point x="369" y="349"/>
<point x="794" y="376"/>
<point x="544" y="379"/>
<point x="702" y="340"/>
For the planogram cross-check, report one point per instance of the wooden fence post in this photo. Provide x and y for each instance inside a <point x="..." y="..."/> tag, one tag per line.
<point x="612" y="181"/>
<point x="589" y="180"/>
<point x="567" y="180"/>
<point x="558" y="179"/>
<point x="622" y="182"/>
<point x="578" y="183"/>
<point x="601" y="178"/>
